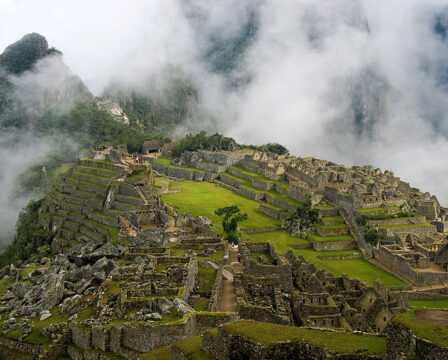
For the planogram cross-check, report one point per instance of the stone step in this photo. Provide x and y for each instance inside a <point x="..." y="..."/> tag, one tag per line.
<point x="123" y="206"/>
<point x="101" y="172"/>
<point x="91" y="178"/>
<point x="332" y="220"/>
<point x="332" y="230"/>
<point x="92" y="234"/>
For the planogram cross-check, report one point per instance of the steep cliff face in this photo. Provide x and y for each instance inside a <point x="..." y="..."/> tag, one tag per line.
<point x="23" y="54"/>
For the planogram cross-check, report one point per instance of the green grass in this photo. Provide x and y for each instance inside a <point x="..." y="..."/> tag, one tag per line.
<point x="191" y="348"/>
<point x="219" y="254"/>
<point x="201" y="304"/>
<point x="87" y="313"/>
<point x="330" y="238"/>
<point x="176" y="252"/>
<point x="355" y="268"/>
<point x="334" y="219"/>
<point x="203" y="198"/>
<point x="166" y="161"/>
<point x="404" y="226"/>
<point x="335" y="226"/>
<point x="322" y="207"/>
<point x="438" y="334"/>
<point x="255" y="254"/>
<point x="282" y="183"/>
<point x="206" y="277"/>
<point x="429" y="304"/>
<point x="161" y="180"/>
<point x="281" y="239"/>
<point x="334" y="342"/>
<point x="35" y="337"/>
<point x="163" y="353"/>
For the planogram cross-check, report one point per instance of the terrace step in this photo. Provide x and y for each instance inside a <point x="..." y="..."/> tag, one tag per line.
<point x="332" y="230"/>
<point x="92" y="234"/>
<point x="91" y="178"/>
<point x="102" y="172"/>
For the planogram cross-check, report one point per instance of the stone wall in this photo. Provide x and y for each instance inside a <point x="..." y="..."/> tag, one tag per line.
<point x="180" y="173"/>
<point x="216" y="291"/>
<point x="280" y="203"/>
<point x="333" y="245"/>
<point x="417" y="231"/>
<point x="398" y="264"/>
<point x="190" y="280"/>
<point x="403" y="344"/>
<point x="236" y="347"/>
<point x="276" y="214"/>
<point x="132" y="339"/>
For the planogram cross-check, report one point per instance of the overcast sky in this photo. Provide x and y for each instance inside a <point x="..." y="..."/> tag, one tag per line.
<point x="309" y="62"/>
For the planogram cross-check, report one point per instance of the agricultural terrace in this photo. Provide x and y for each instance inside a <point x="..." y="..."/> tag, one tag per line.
<point x="203" y="198"/>
<point x="356" y="268"/>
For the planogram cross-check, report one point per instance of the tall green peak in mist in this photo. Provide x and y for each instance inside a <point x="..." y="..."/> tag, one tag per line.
<point x="24" y="53"/>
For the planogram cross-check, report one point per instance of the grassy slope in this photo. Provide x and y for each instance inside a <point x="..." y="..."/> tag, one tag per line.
<point x="203" y="198"/>
<point x="429" y="304"/>
<point x="355" y="268"/>
<point x="438" y="334"/>
<point x="342" y="343"/>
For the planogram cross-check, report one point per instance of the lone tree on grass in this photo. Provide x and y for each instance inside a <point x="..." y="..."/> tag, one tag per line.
<point x="232" y="216"/>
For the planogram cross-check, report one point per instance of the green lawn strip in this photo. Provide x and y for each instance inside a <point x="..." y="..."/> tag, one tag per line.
<point x="161" y="180"/>
<point x="99" y="168"/>
<point x="74" y="180"/>
<point x="105" y="161"/>
<point x="203" y="198"/>
<point x="367" y="210"/>
<point x="355" y="268"/>
<point x="91" y="175"/>
<point x="163" y="353"/>
<point x="403" y="226"/>
<point x="438" y="334"/>
<point x="191" y="348"/>
<point x="100" y="213"/>
<point x="218" y="255"/>
<point x="330" y="238"/>
<point x="335" y="226"/>
<point x="256" y="254"/>
<point x="322" y="207"/>
<point x="201" y="304"/>
<point x="113" y="231"/>
<point x="334" y="219"/>
<point x="334" y="342"/>
<point x="206" y="278"/>
<point x="429" y="304"/>
<point x="282" y="183"/>
<point x="165" y="161"/>
<point x="282" y="240"/>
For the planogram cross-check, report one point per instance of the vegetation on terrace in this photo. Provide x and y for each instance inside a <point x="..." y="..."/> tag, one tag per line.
<point x="436" y="333"/>
<point x="338" y="343"/>
<point x="203" y="198"/>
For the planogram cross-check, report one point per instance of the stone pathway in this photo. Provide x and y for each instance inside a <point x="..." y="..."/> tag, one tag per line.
<point x="227" y="301"/>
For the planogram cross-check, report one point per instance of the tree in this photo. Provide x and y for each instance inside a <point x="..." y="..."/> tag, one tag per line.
<point x="372" y="236"/>
<point x="232" y="216"/>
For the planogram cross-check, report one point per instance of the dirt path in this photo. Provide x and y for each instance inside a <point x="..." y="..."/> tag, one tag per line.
<point x="434" y="316"/>
<point x="227" y="302"/>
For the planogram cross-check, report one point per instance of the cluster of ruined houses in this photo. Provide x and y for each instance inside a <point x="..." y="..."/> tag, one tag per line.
<point x="414" y="246"/>
<point x="289" y="290"/>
